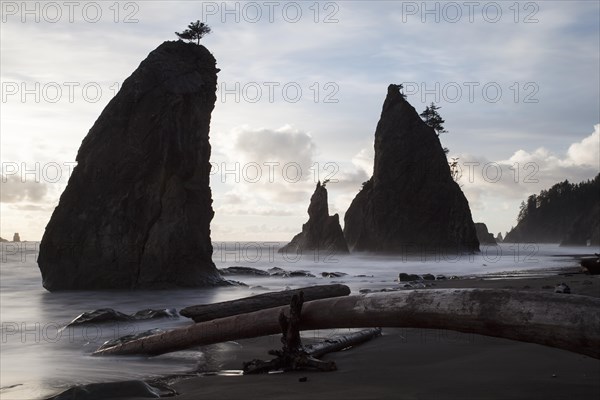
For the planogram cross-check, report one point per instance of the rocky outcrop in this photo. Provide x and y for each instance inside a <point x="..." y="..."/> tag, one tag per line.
<point x="16" y="237"/>
<point x="483" y="235"/>
<point x="411" y="202"/>
<point x="137" y="209"/>
<point x="3" y="240"/>
<point x="566" y="213"/>
<point x="499" y="238"/>
<point x="322" y="232"/>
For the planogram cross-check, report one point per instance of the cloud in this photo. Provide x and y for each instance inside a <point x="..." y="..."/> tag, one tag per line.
<point x="15" y="190"/>
<point x="264" y="165"/>
<point x="495" y="188"/>
<point x="586" y="152"/>
<point x="284" y="146"/>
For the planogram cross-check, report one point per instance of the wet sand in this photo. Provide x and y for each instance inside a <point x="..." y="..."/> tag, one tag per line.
<point x="423" y="364"/>
<point x="415" y="363"/>
<point x="579" y="283"/>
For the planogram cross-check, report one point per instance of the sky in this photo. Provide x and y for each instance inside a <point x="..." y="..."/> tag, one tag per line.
<point x="300" y="92"/>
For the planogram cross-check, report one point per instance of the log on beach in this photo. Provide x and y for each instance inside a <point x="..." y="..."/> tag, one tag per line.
<point x="208" y="312"/>
<point x="569" y="322"/>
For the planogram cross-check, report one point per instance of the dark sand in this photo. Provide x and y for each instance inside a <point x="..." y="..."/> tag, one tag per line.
<point x="421" y="364"/>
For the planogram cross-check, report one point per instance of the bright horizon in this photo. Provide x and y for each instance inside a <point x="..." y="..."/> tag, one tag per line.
<point x="518" y="88"/>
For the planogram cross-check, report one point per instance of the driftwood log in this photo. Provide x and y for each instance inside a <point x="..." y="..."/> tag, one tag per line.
<point x="341" y="342"/>
<point x="207" y="312"/>
<point x="565" y="321"/>
<point x="292" y="356"/>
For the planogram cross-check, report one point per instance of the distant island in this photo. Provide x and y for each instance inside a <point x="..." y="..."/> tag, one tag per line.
<point x="567" y="213"/>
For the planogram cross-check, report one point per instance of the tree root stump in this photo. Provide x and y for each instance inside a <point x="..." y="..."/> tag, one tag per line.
<point x="293" y="356"/>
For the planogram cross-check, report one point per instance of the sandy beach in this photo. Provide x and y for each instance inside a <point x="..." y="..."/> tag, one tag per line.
<point x="423" y="363"/>
<point x="407" y="363"/>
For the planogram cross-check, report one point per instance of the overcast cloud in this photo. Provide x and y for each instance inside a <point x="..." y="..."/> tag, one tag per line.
<point x="519" y="86"/>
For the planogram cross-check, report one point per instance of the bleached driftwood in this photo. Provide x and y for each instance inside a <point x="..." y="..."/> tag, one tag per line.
<point x="207" y="312"/>
<point x="569" y="322"/>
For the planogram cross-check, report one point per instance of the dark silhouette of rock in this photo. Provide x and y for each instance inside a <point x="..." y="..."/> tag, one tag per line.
<point x="276" y="271"/>
<point x="411" y="203"/>
<point x="137" y="209"/>
<point x="429" y="277"/>
<point x="108" y="315"/>
<point x="483" y="235"/>
<point x="333" y="274"/>
<point x="3" y="240"/>
<point x="562" y="288"/>
<point x="117" y="390"/>
<point x="16" y="237"/>
<point x="499" y="238"/>
<point x="404" y="277"/>
<point x="237" y="270"/>
<point x="322" y="232"/>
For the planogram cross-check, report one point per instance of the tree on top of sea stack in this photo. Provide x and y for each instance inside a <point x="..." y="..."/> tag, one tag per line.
<point x="195" y="31"/>
<point x="432" y="118"/>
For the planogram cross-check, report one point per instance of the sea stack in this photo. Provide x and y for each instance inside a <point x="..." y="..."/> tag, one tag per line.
<point x="16" y="237"/>
<point x="483" y="235"/>
<point x="322" y="232"/>
<point x="411" y="203"/>
<point x="137" y="209"/>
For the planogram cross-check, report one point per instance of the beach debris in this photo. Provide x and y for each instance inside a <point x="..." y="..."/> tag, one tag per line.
<point x="108" y="315"/>
<point x="562" y="288"/>
<point x="292" y="356"/>
<point x="567" y="322"/>
<point x="207" y="312"/>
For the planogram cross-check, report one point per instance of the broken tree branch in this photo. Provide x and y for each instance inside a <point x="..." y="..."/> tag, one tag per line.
<point x="569" y="322"/>
<point x="341" y="342"/>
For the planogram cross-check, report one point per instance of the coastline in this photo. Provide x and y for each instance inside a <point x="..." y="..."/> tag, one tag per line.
<point x="407" y="363"/>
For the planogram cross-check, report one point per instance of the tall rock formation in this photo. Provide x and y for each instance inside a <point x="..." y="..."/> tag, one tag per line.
<point x="137" y="209"/>
<point x="411" y="202"/>
<point x="322" y="232"/>
<point x="16" y="237"/>
<point x="499" y="238"/>
<point x="483" y="235"/>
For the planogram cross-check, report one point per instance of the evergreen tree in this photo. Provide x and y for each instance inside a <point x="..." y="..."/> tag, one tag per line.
<point x="196" y="31"/>
<point x="432" y="118"/>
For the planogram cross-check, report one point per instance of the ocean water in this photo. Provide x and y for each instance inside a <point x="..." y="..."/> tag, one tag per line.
<point x="40" y="357"/>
